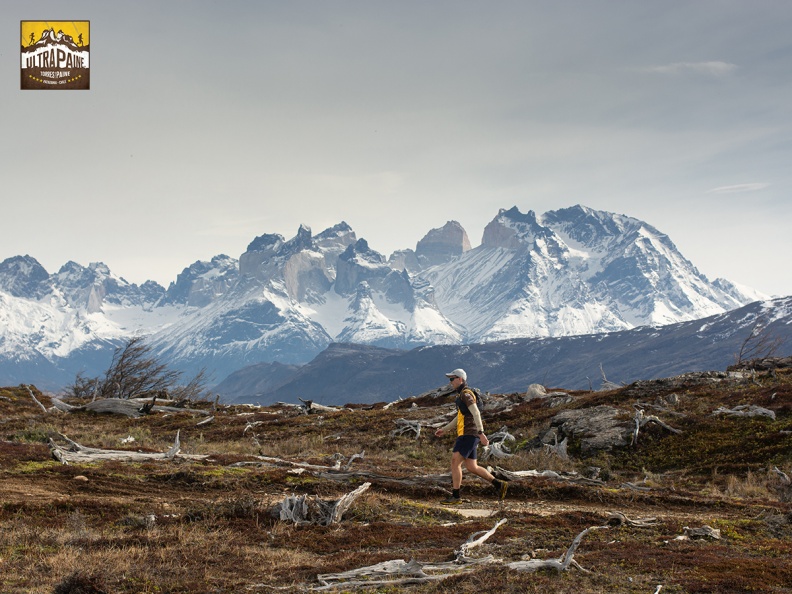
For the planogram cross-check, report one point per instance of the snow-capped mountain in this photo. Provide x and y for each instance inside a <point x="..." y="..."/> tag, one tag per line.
<point x="567" y="272"/>
<point x="573" y="271"/>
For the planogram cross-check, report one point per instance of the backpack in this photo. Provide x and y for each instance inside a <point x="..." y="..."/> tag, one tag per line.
<point x="481" y="397"/>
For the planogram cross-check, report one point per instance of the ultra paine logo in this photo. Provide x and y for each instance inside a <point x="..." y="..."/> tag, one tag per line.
<point x="55" y="55"/>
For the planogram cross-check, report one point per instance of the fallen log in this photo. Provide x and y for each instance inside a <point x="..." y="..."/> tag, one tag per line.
<point x="75" y="453"/>
<point x="562" y="563"/>
<point x="745" y="410"/>
<point x="415" y="571"/>
<point x="125" y="407"/>
<point x="572" y="477"/>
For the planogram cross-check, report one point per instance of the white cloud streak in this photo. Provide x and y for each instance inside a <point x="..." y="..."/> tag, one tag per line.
<point x="739" y="188"/>
<point x="714" y="68"/>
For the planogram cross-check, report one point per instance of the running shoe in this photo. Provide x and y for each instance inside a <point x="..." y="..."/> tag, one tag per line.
<point x="504" y="486"/>
<point x="451" y="501"/>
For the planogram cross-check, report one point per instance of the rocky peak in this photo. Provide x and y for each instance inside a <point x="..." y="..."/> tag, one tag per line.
<point x="359" y="263"/>
<point x="512" y="230"/>
<point x="202" y="282"/>
<point x="404" y="260"/>
<point x="441" y="245"/>
<point x="23" y="276"/>
<point x="333" y="241"/>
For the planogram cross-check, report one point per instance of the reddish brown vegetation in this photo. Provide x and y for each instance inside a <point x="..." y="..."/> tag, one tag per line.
<point x="183" y="526"/>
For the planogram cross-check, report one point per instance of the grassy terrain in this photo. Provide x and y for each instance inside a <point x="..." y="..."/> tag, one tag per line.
<point x="180" y="525"/>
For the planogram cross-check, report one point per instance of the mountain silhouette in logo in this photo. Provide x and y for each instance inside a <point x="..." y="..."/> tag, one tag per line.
<point x="49" y="37"/>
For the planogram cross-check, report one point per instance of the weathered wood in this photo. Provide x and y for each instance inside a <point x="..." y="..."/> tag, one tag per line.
<point x="312" y="407"/>
<point x="79" y="454"/>
<point x="703" y="532"/>
<point x="406" y="426"/>
<point x="572" y="477"/>
<point x="33" y="396"/>
<point x="476" y="539"/>
<point x="619" y="519"/>
<point x="745" y="410"/>
<point x="416" y="572"/>
<point x="125" y="407"/>
<point x="304" y="510"/>
<point x="497" y="447"/>
<point x="562" y="563"/>
<point x="641" y="420"/>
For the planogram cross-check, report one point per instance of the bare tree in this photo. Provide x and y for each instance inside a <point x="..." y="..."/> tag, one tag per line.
<point x="134" y="371"/>
<point x="760" y="343"/>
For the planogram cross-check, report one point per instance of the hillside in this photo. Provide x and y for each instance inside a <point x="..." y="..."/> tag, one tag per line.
<point x="371" y="374"/>
<point x="201" y="521"/>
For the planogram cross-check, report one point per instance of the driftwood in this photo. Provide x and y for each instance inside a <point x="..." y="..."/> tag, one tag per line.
<point x="125" y="407"/>
<point x="618" y="519"/>
<point x="562" y="563"/>
<point x="703" y="532"/>
<point x="408" y="572"/>
<point x="497" y="447"/>
<point x="268" y="460"/>
<point x="745" y="410"/>
<point x="406" y="426"/>
<point x="79" y="454"/>
<point x="33" y="396"/>
<point x="641" y="420"/>
<point x="559" y="448"/>
<point x="572" y="477"/>
<point x="784" y="490"/>
<point x="311" y="407"/>
<point x="305" y="510"/>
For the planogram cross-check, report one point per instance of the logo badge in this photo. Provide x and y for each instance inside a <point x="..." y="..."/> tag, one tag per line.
<point x="56" y="55"/>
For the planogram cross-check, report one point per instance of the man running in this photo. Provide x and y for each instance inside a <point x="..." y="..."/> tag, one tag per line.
<point x="470" y="431"/>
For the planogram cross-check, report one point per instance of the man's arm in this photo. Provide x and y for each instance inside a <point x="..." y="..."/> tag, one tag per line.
<point x="451" y="424"/>
<point x="473" y="408"/>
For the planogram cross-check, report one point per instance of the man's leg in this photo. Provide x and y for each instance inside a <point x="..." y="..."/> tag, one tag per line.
<point x="500" y="486"/>
<point x="456" y="469"/>
<point x="472" y="465"/>
<point x="456" y="479"/>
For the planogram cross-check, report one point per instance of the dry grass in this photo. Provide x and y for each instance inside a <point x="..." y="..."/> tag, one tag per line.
<point x="184" y="526"/>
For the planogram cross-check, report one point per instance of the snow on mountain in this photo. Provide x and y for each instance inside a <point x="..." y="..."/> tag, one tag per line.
<point x="572" y="271"/>
<point x="567" y="272"/>
<point x="48" y="317"/>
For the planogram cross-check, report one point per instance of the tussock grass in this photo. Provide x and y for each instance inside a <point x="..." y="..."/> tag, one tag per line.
<point x="182" y="526"/>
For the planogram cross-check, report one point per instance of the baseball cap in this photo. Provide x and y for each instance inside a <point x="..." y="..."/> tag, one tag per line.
<point x="458" y="373"/>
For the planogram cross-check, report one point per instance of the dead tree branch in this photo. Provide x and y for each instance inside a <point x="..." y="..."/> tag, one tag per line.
<point x="33" y="396"/>
<point x="641" y="421"/>
<point x="305" y="510"/>
<point x="74" y="453"/>
<point x="416" y="572"/>
<point x="562" y="563"/>
<point x="745" y="410"/>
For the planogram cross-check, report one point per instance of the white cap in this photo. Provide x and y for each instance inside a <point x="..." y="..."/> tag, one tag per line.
<point x="458" y="373"/>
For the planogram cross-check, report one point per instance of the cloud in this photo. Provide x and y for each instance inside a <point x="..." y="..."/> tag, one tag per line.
<point x="714" y="68"/>
<point x="739" y="188"/>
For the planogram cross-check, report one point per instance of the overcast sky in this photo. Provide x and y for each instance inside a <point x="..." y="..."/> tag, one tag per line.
<point x="210" y="123"/>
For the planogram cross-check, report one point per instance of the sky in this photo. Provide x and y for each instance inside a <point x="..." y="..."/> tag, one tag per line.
<point x="210" y="123"/>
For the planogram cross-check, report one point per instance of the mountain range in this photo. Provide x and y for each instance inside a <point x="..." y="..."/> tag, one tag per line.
<point x="570" y="272"/>
<point x="582" y="362"/>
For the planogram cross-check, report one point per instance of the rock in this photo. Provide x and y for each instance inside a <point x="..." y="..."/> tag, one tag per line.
<point x="441" y="245"/>
<point x="535" y="391"/>
<point x="600" y="428"/>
